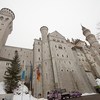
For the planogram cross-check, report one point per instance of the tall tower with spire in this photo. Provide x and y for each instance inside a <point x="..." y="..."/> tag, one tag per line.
<point x="91" y="39"/>
<point x="6" y="21"/>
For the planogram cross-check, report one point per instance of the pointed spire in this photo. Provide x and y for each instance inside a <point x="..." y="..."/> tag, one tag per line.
<point x="84" y="29"/>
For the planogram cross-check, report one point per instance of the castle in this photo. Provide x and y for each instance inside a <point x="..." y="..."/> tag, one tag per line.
<point x="57" y="62"/>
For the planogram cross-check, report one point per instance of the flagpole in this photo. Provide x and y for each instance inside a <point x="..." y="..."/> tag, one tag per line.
<point x="23" y="78"/>
<point x="31" y="70"/>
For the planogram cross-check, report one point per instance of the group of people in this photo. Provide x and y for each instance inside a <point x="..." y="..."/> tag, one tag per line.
<point x="54" y="95"/>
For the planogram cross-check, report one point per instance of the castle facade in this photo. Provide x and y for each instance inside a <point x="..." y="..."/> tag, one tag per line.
<point x="58" y="63"/>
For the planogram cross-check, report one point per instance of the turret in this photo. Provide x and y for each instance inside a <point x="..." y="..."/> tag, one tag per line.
<point x="44" y="32"/>
<point x="6" y="19"/>
<point x="47" y="70"/>
<point x="7" y="12"/>
<point x="90" y="37"/>
<point x="86" y="31"/>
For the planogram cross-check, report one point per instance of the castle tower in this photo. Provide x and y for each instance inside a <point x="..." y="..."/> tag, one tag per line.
<point x="91" y="39"/>
<point x="48" y="79"/>
<point x="94" y="45"/>
<point x="6" y="20"/>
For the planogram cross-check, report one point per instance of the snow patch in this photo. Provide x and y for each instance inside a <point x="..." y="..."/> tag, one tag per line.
<point x="85" y="94"/>
<point x="98" y="81"/>
<point x="21" y="88"/>
<point x="2" y="91"/>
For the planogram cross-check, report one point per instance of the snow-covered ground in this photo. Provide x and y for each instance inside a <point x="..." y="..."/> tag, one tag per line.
<point x="98" y="81"/>
<point x="22" y="93"/>
<point x="2" y="88"/>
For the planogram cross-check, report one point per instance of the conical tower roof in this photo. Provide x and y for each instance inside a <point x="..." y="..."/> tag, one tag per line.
<point x="84" y="29"/>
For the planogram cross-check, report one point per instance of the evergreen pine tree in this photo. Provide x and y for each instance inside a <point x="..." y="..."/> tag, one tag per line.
<point x="12" y="75"/>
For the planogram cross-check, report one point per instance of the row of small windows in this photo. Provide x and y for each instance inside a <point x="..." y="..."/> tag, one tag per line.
<point x="62" y="55"/>
<point x="58" y="40"/>
<point x="60" y="47"/>
<point x="1" y="18"/>
<point x="79" y="54"/>
<point x="82" y="60"/>
<point x="7" y="63"/>
<point x="67" y="70"/>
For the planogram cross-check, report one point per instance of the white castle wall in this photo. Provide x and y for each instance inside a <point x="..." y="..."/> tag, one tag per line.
<point x="25" y="55"/>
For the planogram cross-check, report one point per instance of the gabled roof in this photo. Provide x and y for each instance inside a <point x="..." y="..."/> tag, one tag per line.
<point x="56" y="34"/>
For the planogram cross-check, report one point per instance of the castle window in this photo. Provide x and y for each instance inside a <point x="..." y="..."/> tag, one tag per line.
<point x="67" y="56"/>
<point x="39" y="58"/>
<point x="62" y="41"/>
<point x="64" y="48"/>
<point x="7" y="63"/>
<point x="38" y="50"/>
<point x="6" y="19"/>
<point x="54" y="40"/>
<point x="55" y="46"/>
<point x="69" y="62"/>
<point x="60" y="47"/>
<point x="82" y="59"/>
<point x="38" y="42"/>
<point x="0" y="29"/>
<point x="57" y="55"/>
<point x="1" y="17"/>
<point x="62" y="55"/>
<point x="58" y="41"/>
<point x="61" y="69"/>
<point x="45" y="63"/>
<point x="2" y="24"/>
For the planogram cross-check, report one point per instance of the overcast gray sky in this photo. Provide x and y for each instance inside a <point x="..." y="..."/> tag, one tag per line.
<point x="64" y="16"/>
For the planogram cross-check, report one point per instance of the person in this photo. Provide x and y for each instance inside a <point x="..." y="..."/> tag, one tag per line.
<point x="39" y="95"/>
<point x="48" y="95"/>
